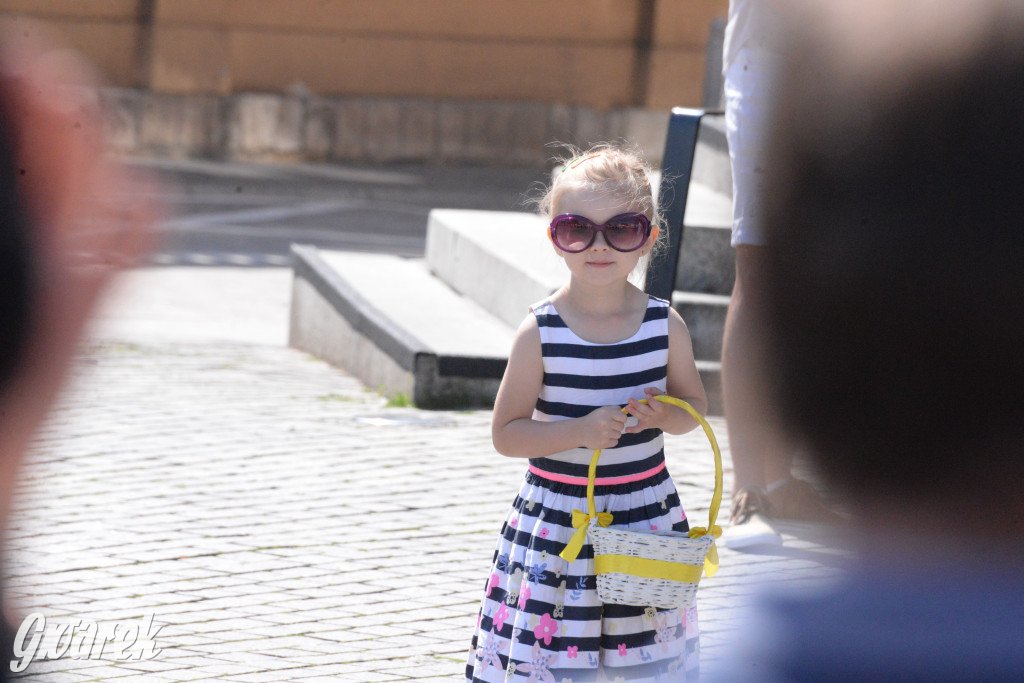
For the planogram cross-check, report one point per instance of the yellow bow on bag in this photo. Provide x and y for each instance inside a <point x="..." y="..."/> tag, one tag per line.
<point x="711" y="559"/>
<point x="581" y="521"/>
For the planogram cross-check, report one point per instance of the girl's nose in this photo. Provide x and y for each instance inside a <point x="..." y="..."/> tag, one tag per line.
<point x="599" y="241"/>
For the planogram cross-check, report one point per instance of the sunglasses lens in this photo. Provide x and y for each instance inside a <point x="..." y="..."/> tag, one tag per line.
<point x="626" y="233"/>
<point x="573" y="234"/>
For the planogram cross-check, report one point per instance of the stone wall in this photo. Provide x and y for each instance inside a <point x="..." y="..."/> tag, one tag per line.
<point x="268" y="127"/>
<point x="379" y="80"/>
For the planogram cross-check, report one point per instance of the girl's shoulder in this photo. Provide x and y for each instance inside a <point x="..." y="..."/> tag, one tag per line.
<point x="657" y="309"/>
<point x="545" y="314"/>
<point x="542" y="306"/>
<point x="656" y="302"/>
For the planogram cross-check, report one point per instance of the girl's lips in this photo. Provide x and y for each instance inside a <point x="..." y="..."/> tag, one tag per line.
<point x="599" y="264"/>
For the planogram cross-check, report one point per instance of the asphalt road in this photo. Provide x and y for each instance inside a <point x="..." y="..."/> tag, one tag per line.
<point x="247" y="214"/>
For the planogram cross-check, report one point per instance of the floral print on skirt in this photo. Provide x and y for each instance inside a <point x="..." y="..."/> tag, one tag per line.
<point x="541" y="619"/>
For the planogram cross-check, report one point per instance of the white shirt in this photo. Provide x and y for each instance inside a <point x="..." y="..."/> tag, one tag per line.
<point x="752" y="23"/>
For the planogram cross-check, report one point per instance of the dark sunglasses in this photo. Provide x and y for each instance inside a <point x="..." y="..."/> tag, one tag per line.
<point x="625" y="232"/>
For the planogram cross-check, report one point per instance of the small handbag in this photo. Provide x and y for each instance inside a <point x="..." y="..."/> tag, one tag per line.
<point x="649" y="568"/>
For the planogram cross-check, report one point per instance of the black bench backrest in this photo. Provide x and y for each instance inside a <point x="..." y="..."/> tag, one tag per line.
<point x="676" y="169"/>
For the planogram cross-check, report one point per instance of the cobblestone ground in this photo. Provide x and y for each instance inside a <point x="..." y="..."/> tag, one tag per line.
<point x="283" y="524"/>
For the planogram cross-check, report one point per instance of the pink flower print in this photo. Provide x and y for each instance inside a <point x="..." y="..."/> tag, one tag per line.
<point x="487" y="653"/>
<point x="512" y="523"/>
<point x="538" y="668"/>
<point x="622" y="649"/>
<point x="654" y="527"/>
<point x="523" y="597"/>
<point x="545" y="629"/>
<point x="492" y="584"/>
<point x="573" y="651"/>
<point x="544" y="532"/>
<point x="500" y="617"/>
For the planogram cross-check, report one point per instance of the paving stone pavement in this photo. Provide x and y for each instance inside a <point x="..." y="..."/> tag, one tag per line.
<point x="274" y="516"/>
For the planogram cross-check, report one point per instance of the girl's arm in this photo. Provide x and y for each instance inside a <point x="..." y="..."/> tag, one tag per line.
<point x="683" y="382"/>
<point x="514" y="431"/>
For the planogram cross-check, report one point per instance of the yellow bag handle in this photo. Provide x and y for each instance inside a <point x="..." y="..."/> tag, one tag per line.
<point x="604" y="519"/>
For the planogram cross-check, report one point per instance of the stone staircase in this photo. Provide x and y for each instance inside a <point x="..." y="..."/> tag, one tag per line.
<point x="437" y="330"/>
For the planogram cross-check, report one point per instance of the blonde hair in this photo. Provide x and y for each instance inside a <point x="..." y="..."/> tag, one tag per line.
<point x="611" y="169"/>
<point x="605" y="167"/>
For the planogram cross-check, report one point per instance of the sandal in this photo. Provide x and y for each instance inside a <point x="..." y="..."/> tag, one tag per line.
<point x="748" y="525"/>
<point x="746" y="503"/>
<point x="797" y="499"/>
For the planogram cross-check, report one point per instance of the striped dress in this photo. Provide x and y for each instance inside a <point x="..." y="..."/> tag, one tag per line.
<point x="541" y="619"/>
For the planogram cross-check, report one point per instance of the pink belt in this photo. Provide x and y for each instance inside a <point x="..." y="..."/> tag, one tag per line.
<point x="599" y="481"/>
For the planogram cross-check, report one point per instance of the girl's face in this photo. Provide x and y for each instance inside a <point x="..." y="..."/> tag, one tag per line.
<point x="598" y="264"/>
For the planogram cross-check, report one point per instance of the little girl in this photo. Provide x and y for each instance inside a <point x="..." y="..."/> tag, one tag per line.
<point x="593" y="347"/>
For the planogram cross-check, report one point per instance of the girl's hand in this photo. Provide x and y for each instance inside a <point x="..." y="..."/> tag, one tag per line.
<point x="650" y="415"/>
<point x="602" y="428"/>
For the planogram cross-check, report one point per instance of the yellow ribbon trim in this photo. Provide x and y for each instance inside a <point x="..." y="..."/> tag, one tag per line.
<point x="650" y="569"/>
<point x="711" y="559"/>
<point x="580" y="522"/>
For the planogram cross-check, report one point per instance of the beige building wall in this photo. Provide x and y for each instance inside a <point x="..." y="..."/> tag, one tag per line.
<point x="602" y="54"/>
<point x="105" y="31"/>
<point x="382" y="80"/>
<point x="679" y="51"/>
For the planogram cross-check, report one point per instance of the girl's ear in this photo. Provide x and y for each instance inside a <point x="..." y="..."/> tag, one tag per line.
<point x="651" y="240"/>
<point x="551" y="239"/>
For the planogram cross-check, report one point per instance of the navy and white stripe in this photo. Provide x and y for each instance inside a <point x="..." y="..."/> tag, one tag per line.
<point x="541" y="617"/>
<point x="580" y="376"/>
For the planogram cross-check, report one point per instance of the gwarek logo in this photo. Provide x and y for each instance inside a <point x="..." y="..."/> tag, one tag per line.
<point x="120" y="641"/>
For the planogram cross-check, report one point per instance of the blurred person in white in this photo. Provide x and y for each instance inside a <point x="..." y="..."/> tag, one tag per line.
<point x="763" y="484"/>
<point x="890" y="307"/>
<point x="62" y="239"/>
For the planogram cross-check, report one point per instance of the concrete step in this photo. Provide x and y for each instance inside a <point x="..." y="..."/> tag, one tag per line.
<point x="398" y="328"/>
<point x="504" y="261"/>
<point x="711" y="376"/>
<point x="391" y="323"/>
<point x="711" y="166"/>
<point x="704" y="315"/>
<point x="707" y="262"/>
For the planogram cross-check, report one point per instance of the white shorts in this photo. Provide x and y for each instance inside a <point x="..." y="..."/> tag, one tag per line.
<point x="748" y="96"/>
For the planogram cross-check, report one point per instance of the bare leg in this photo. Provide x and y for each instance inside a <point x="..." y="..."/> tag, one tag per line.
<point x="759" y="454"/>
<point x="762" y="457"/>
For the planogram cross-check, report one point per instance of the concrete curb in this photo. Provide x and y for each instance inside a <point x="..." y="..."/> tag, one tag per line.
<point x="331" y="319"/>
<point x="400" y="346"/>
